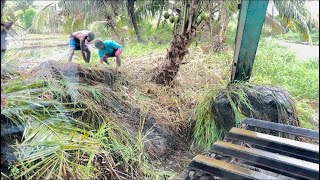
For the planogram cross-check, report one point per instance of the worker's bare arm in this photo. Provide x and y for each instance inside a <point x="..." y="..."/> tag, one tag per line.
<point x="71" y="54"/>
<point x="83" y="49"/>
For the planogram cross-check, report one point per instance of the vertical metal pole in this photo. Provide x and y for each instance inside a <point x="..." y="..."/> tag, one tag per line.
<point x="250" y="22"/>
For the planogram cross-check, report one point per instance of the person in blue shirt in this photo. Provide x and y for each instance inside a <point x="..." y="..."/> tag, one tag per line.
<point x="108" y="49"/>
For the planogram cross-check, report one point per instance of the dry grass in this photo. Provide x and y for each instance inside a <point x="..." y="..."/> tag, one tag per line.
<point x="174" y="106"/>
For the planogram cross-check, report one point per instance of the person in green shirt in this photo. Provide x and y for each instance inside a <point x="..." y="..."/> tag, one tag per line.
<point x="108" y="49"/>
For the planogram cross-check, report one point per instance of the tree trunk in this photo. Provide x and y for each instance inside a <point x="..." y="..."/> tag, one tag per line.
<point x="111" y="24"/>
<point x="221" y="37"/>
<point x="183" y="36"/>
<point x="134" y="19"/>
<point x="168" y="69"/>
<point x="160" y="15"/>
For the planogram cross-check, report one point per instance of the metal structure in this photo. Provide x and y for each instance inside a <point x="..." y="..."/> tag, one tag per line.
<point x="250" y="154"/>
<point x="250" y="22"/>
<point x="259" y="149"/>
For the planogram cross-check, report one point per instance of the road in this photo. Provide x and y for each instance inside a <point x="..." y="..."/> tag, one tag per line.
<point x="303" y="51"/>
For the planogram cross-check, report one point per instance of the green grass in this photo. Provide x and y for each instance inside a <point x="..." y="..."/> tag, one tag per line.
<point x="275" y="65"/>
<point x="296" y="38"/>
<point x="305" y="112"/>
<point x="205" y="130"/>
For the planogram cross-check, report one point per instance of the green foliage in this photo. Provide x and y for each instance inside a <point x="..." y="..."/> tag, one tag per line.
<point x="47" y="21"/>
<point x="205" y="131"/>
<point x="25" y="17"/>
<point x="294" y="14"/>
<point x="23" y="4"/>
<point x="296" y="38"/>
<point x="305" y="112"/>
<point x="276" y="65"/>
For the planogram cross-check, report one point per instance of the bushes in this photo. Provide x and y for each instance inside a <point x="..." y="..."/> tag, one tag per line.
<point x="26" y="17"/>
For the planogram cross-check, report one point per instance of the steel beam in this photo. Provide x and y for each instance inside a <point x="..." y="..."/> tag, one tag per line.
<point x="284" y="165"/>
<point x="225" y="170"/>
<point x="296" y="149"/>
<point x="281" y="128"/>
<point x="250" y="22"/>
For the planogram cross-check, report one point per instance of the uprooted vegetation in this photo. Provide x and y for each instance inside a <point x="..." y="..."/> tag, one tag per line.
<point x="78" y="122"/>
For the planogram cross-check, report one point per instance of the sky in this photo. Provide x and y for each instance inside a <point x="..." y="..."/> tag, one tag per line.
<point x="43" y="2"/>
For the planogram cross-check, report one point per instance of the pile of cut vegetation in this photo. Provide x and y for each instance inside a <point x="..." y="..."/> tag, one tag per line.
<point x="75" y="122"/>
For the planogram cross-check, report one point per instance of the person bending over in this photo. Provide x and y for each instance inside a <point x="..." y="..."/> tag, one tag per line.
<point x="78" y="41"/>
<point x="108" y="49"/>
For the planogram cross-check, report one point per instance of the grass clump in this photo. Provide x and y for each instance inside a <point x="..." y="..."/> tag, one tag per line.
<point x="207" y="129"/>
<point x="305" y="112"/>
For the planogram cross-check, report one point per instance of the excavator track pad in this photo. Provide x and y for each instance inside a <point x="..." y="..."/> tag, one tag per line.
<point x="259" y="150"/>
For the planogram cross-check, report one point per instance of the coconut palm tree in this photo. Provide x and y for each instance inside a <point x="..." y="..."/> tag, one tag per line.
<point x="186" y="24"/>
<point x="192" y="18"/>
<point x="131" y="13"/>
<point x="294" y="15"/>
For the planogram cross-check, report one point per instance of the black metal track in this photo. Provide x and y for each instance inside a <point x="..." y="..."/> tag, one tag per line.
<point x="276" y="163"/>
<point x="281" y="128"/>
<point x="279" y="155"/>
<point x="225" y="170"/>
<point x="296" y="149"/>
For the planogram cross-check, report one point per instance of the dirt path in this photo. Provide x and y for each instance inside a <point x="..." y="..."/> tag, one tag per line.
<point x="303" y="51"/>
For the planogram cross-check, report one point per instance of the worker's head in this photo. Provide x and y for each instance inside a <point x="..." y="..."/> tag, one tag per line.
<point x="99" y="44"/>
<point x="91" y="36"/>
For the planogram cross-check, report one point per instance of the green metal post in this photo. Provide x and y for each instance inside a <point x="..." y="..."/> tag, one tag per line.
<point x="250" y="22"/>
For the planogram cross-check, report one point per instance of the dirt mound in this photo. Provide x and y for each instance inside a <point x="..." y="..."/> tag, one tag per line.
<point x="159" y="141"/>
<point x="73" y="72"/>
<point x="261" y="102"/>
<point x="7" y="73"/>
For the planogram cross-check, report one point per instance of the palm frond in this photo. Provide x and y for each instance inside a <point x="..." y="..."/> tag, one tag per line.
<point x="295" y="14"/>
<point x="274" y="24"/>
<point x="69" y="132"/>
